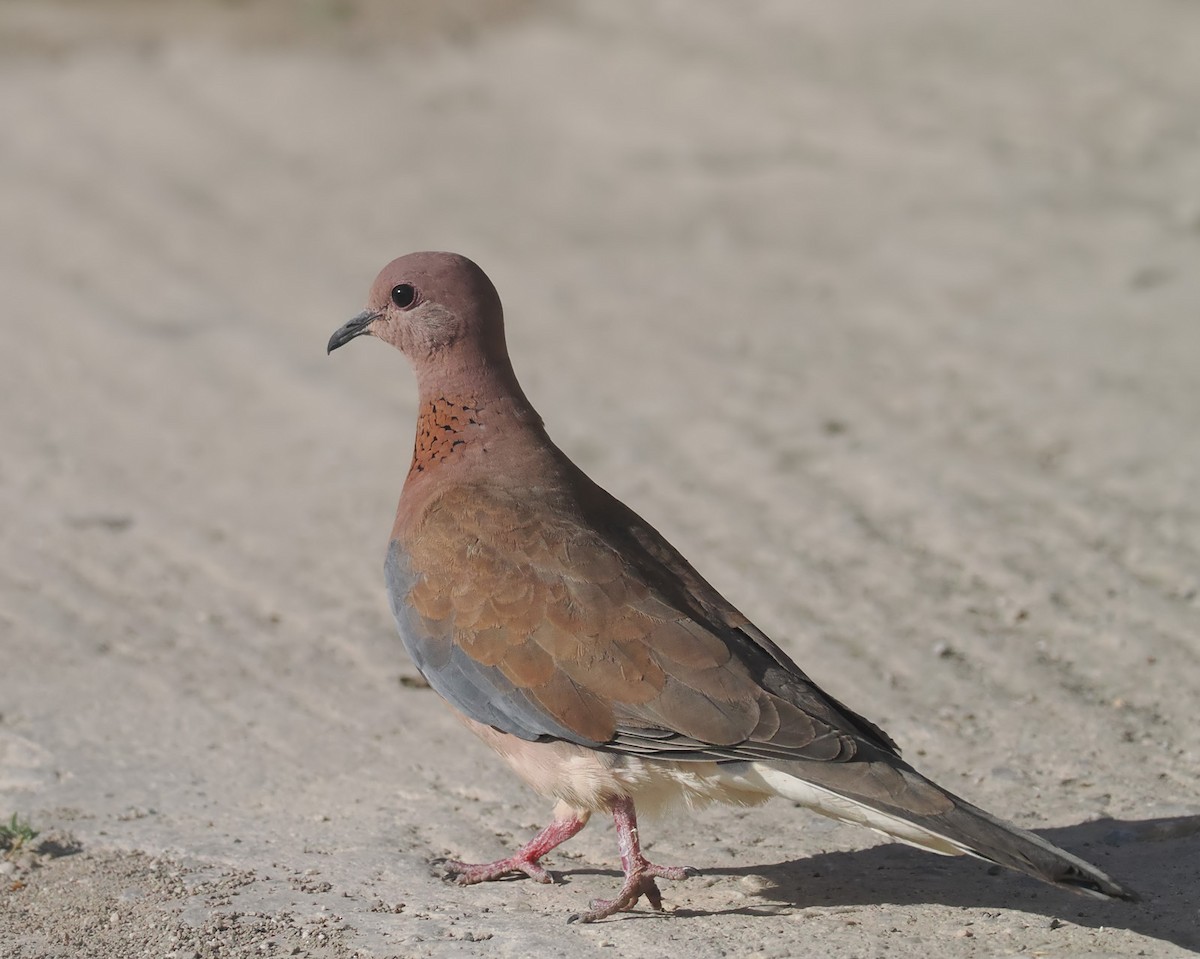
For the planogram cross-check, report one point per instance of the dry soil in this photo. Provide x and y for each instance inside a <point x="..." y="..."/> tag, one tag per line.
<point x="887" y="314"/>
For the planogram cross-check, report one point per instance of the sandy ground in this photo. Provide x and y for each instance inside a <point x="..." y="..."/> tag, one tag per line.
<point x="887" y="314"/>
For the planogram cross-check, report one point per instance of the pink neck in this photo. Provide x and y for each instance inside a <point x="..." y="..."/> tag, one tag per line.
<point x="472" y="417"/>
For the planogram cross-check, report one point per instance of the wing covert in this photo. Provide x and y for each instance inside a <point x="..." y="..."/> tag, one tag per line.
<point x="542" y="626"/>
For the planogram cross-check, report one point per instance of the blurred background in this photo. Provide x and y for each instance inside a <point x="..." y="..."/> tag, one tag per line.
<point x="887" y="315"/>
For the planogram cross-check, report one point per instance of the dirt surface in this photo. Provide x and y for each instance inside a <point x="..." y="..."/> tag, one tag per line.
<point x="886" y="314"/>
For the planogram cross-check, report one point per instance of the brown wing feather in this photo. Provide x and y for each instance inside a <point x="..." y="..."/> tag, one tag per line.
<point x="603" y="627"/>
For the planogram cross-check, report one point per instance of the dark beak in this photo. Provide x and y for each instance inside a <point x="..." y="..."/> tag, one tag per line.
<point x="356" y="327"/>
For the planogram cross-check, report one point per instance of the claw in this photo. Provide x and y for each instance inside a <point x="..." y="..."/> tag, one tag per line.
<point x="640" y="873"/>
<point x="523" y="862"/>
<point x="467" y="873"/>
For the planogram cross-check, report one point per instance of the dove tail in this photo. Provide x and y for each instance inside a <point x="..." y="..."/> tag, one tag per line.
<point x="892" y="798"/>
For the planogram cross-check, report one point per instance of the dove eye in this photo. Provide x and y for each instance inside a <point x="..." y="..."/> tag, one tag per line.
<point x="404" y="295"/>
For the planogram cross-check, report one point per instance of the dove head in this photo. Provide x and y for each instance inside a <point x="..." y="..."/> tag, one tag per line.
<point x="442" y="312"/>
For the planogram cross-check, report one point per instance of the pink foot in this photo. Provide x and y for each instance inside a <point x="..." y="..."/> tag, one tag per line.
<point x="524" y="861"/>
<point x="469" y="873"/>
<point x="640" y="873"/>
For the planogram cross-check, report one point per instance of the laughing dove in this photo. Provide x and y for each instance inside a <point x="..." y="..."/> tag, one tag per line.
<point x="572" y="638"/>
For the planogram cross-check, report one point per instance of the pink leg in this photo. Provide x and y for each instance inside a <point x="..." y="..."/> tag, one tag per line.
<point x="640" y="873"/>
<point x="524" y="860"/>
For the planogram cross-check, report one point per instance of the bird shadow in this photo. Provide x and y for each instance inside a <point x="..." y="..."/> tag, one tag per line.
<point x="1158" y="858"/>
